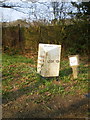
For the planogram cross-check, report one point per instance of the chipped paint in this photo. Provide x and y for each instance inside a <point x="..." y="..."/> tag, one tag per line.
<point x="48" y="63"/>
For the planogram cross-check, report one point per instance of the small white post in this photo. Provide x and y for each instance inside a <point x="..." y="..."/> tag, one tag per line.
<point x="74" y="63"/>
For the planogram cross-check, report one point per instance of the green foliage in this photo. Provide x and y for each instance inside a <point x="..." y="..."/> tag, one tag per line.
<point x="19" y="77"/>
<point x="83" y="9"/>
<point x="73" y="38"/>
<point x="8" y="60"/>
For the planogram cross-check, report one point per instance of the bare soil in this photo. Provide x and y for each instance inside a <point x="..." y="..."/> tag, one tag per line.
<point x="70" y="106"/>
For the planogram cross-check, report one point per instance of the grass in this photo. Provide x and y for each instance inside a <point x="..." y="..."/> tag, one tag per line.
<point x="19" y="75"/>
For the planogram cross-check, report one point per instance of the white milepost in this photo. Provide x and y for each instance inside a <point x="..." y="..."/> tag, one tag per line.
<point x="48" y="63"/>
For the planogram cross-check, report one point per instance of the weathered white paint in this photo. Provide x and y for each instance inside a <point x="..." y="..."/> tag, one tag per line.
<point x="74" y="60"/>
<point x="48" y="64"/>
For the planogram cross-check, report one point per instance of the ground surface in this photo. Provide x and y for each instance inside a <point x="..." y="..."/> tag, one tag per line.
<point x="25" y="95"/>
<point x="57" y="107"/>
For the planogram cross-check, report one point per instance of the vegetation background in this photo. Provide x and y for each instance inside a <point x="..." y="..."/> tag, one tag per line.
<point x="73" y="37"/>
<point x="25" y="94"/>
<point x="72" y="34"/>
